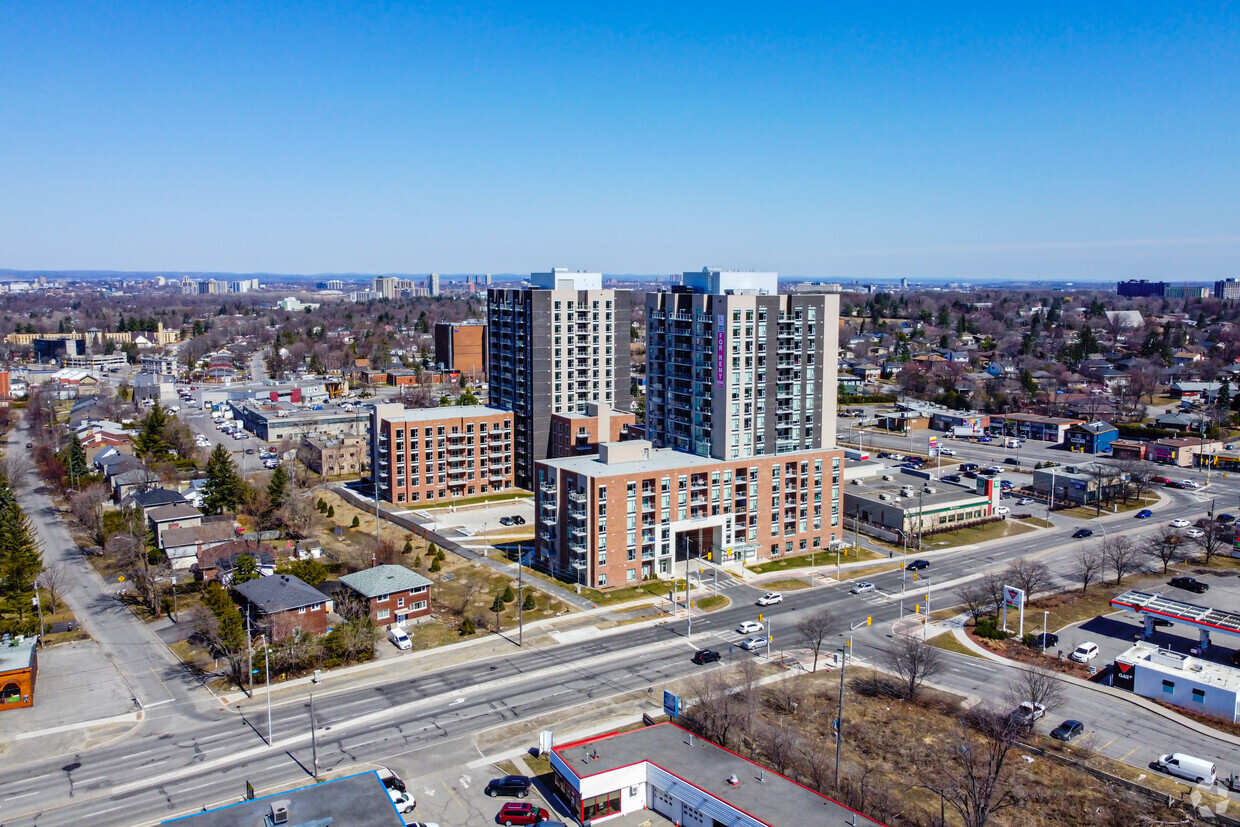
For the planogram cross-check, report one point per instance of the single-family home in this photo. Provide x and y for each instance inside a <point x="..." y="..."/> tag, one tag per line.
<point x="184" y="545"/>
<point x="146" y="500"/>
<point x="219" y="561"/>
<point x="395" y="594"/>
<point x="282" y="605"/>
<point x="161" y="518"/>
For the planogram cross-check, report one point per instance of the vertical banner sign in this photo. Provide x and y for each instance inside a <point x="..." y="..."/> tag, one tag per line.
<point x="721" y="350"/>
<point x="671" y="704"/>
<point x="933" y="450"/>
<point x="1015" y="598"/>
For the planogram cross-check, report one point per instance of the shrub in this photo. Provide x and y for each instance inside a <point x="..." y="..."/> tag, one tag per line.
<point x="467" y="626"/>
<point x="528" y="604"/>
<point x="356" y="522"/>
<point x="331" y="511"/>
<point x="988" y="627"/>
<point x="435" y="564"/>
<point x="408" y="549"/>
<point x="417" y="562"/>
<point x="321" y="505"/>
<point x="508" y="595"/>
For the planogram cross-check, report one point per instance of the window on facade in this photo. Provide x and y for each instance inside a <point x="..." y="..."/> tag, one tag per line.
<point x="418" y="606"/>
<point x="1168" y="686"/>
<point x="383" y="614"/>
<point x="601" y="805"/>
<point x="1199" y="696"/>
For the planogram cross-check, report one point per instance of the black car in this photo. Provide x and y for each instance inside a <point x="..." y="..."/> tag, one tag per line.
<point x="1045" y="640"/>
<point x="968" y="466"/>
<point x="971" y="474"/>
<point x="1191" y="584"/>
<point x="517" y="785"/>
<point x="1226" y="518"/>
<point x="1067" y="730"/>
<point x="951" y="478"/>
<point x="1012" y="461"/>
<point x="1158" y="621"/>
<point x="1082" y="532"/>
<point x="1234" y="660"/>
<point x="917" y="565"/>
<point x="517" y="519"/>
<point x="706" y="656"/>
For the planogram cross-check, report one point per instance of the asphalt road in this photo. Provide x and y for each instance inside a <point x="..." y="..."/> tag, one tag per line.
<point x="187" y="754"/>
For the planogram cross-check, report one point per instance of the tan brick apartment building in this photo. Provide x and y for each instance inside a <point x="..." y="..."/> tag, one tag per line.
<point x="627" y="513"/>
<point x="433" y="454"/>
<point x="333" y="457"/>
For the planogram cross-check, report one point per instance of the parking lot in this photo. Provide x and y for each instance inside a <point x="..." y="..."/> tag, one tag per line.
<point x="477" y="520"/>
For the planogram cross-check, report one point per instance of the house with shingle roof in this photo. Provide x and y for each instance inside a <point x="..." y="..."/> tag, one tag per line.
<point x="283" y="605"/>
<point x="396" y="595"/>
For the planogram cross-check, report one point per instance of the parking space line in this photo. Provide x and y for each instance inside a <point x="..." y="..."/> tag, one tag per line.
<point x="1107" y="744"/>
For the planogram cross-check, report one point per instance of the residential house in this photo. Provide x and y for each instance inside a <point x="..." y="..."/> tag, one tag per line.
<point x="868" y="372"/>
<point x="282" y="605"/>
<point x="184" y="546"/>
<point x="146" y="500"/>
<point x="395" y="594"/>
<point x="1185" y="357"/>
<point x="218" y="562"/>
<point x="1194" y="390"/>
<point x="1092" y="437"/>
<point x="180" y="515"/>
<point x="131" y="481"/>
<point x="1177" y="421"/>
<point x="333" y="456"/>
<point x="849" y="384"/>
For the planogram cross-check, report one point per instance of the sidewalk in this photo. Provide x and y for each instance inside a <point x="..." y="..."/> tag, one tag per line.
<point x="1129" y="697"/>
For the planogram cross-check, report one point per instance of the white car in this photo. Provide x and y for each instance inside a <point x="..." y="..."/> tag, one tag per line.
<point x="753" y="643"/>
<point x="947" y="452"/>
<point x="748" y="627"/>
<point x="1003" y="509"/>
<point x="1194" y="533"/>
<point x="862" y="588"/>
<point x="1026" y="501"/>
<point x="402" y="801"/>
<point x="1179" y="523"/>
<point x="1084" y="653"/>
<point x="1189" y="484"/>
<point x="769" y="598"/>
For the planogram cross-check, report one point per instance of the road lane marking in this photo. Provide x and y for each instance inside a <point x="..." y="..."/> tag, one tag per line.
<point x="23" y="795"/>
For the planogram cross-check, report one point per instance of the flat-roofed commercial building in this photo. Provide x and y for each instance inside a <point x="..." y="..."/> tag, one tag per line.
<point x="432" y="454"/>
<point x="910" y="504"/>
<point x="551" y="348"/>
<point x="629" y="511"/>
<point x="462" y="346"/>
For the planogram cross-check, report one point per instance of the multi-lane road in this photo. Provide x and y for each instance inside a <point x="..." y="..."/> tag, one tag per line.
<point x="189" y="752"/>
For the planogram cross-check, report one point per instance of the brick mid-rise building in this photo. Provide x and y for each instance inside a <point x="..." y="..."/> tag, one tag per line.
<point x="575" y="434"/>
<point x="333" y="456"/>
<point x="462" y="346"/>
<point x="631" y="510"/>
<point x="430" y="454"/>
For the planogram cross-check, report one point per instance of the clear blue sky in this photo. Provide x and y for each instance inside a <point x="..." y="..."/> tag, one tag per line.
<point x="874" y="140"/>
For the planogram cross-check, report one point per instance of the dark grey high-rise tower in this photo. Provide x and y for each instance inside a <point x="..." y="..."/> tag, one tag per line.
<point x="553" y="347"/>
<point x="736" y="370"/>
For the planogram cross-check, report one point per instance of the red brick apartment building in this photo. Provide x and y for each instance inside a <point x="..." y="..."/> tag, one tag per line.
<point x="433" y="454"/>
<point x="630" y="511"/>
<point x="574" y="434"/>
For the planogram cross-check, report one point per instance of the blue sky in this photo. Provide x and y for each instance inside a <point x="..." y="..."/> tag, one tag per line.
<point x="872" y="140"/>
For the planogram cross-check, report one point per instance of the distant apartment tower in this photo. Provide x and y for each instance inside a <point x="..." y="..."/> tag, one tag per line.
<point x="386" y="286"/>
<point x="462" y="346"/>
<point x="1140" y="289"/>
<point x="334" y="284"/>
<point x="553" y="347"/>
<point x="736" y="370"/>
<point x="1186" y="291"/>
<point x="430" y="454"/>
<point x="432" y="284"/>
<point x="1227" y="289"/>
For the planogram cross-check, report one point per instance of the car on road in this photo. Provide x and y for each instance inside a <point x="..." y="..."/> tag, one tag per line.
<point x="862" y="588"/>
<point x="770" y="598"/>
<point x="1003" y="510"/>
<point x="519" y="812"/>
<point x="402" y="801"/>
<point x="249" y="450"/>
<point x="704" y="656"/>
<point x="1144" y="514"/>
<point x="1194" y="533"/>
<point x="1163" y="480"/>
<point x="1191" y="584"/>
<point x="751" y="643"/>
<point x="947" y="452"/>
<point x="748" y="627"/>
<point x="985" y="439"/>
<point x="1012" y="461"/>
<point x="1179" y="523"/>
<point x="917" y="565"/>
<point x="517" y="519"/>
<point x="1084" y="653"/>
<point x="1189" y="484"/>
<point x="1068" y="730"/>
<point x="1026" y="501"/>
<point x="517" y="785"/>
<point x="1082" y="532"/>
<point x="951" y="478"/>
<point x="1045" y="640"/>
<point x="968" y="466"/>
<point x="1226" y="518"/>
<point x="506" y="521"/>
<point x="1028" y="713"/>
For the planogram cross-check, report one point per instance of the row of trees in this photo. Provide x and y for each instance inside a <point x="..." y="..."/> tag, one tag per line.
<point x="21" y="561"/>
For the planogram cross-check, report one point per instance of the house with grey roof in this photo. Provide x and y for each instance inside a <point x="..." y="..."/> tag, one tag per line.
<point x="144" y="501"/>
<point x="178" y="515"/>
<point x="282" y="605"/>
<point x="395" y="594"/>
<point x="184" y="545"/>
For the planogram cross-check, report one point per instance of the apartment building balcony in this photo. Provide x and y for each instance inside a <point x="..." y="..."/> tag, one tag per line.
<point x="577" y="533"/>
<point x="577" y="497"/>
<point x="547" y="537"/>
<point x="577" y="547"/>
<point x="547" y="487"/>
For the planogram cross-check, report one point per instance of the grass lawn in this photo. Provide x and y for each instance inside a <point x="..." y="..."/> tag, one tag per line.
<point x="822" y="559"/>
<point x="1089" y="512"/>
<point x="948" y="642"/>
<point x="789" y="585"/>
<point x="975" y="534"/>
<point x="489" y="498"/>
<point x="710" y="604"/>
<point x="1039" y="522"/>
<point x="650" y="588"/>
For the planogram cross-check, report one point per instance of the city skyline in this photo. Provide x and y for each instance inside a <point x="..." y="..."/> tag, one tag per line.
<point x="1056" y="143"/>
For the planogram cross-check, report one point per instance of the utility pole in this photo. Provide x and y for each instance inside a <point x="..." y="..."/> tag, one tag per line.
<point x="267" y="669"/>
<point x="520" y="598"/>
<point x="314" y="742"/>
<point x="249" y="650"/>
<point x="839" y="723"/>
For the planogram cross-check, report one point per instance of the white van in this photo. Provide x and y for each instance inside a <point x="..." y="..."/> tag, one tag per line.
<point x="399" y="639"/>
<point x="1188" y="767"/>
<point x="1085" y="652"/>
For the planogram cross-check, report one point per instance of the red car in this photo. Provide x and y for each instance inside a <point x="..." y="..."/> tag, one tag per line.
<point x="518" y="812"/>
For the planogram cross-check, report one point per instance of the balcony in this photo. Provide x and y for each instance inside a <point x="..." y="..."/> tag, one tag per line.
<point x="577" y="547"/>
<point x="577" y="497"/>
<point x="547" y="487"/>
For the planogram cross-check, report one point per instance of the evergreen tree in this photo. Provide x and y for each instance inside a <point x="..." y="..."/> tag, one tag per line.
<point x="528" y="604"/>
<point x="1224" y="394"/>
<point x="150" y="440"/>
<point x="331" y="512"/>
<point x="246" y="570"/>
<point x="277" y="489"/>
<point x="20" y="558"/>
<point x="356" y="522"/>
<point x="77" y="459"/>
<point x="508" y="595"/>
<point x="467" y="397"/>
<point x="223" y="490"/>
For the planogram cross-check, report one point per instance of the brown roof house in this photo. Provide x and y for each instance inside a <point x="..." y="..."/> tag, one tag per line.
<point x="183" y="545"/>
<point x="218" y="562"/>
<point x="396" y="595"/>
<point x="283" y="605"/>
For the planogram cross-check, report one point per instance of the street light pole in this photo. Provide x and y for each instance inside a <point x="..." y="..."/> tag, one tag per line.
<point x="839" y="722"/>
<point x="267" y="669"/>
<point x="1045" y="616"/>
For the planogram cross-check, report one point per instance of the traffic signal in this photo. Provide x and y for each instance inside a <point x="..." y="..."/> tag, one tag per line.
<point x="914" y="575"/>
<point x="869" y="621"/>
<point x="708" y="555"/>
<point x="759" y="617"/>
<point x="917" y="609"/>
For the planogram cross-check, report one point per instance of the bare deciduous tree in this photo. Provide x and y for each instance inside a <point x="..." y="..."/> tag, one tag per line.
<point x="1121" y="556"/>
<point x="779" y="743"/>
<point x="1213" y="540"/>
<point x="814" y="630"/>
<point x="971" y="772"/>
<point x="470" y="586"/>
<point x="1037" y="686"/>
<point x="86" y="506"/>
<point x="1031" y="576"/>
<point x="817" y="762"/>
<point x="713" y="714"/>
<point x="976" y="599"/>
<point x="1165" y="547"/>
<point x="914" y="661"/>
<point x="296" y="513"/>
<point x="55" y="581"/>
<point x="1087" y="566"/>
<point x="15" y="467"/>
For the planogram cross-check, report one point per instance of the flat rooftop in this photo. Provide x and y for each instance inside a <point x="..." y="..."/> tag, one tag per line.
<point x="356" y="800"/>
<point x="445" y="412"/>
<point x="1167" y="662"/>
<point x="945" y="493"/>
<point x="762" y="793"/>
<point x="17" y="656"/>
<point x="664" y="459"/>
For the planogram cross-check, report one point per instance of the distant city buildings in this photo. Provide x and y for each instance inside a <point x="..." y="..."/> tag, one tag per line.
<point x="193" y="287"/>
<point x="1140" y="289"/>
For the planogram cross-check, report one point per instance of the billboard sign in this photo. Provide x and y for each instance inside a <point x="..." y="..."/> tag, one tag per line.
<point x="933" y="449"/>
<point x="721" y="350"/>
<point x="671" y="704"/>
